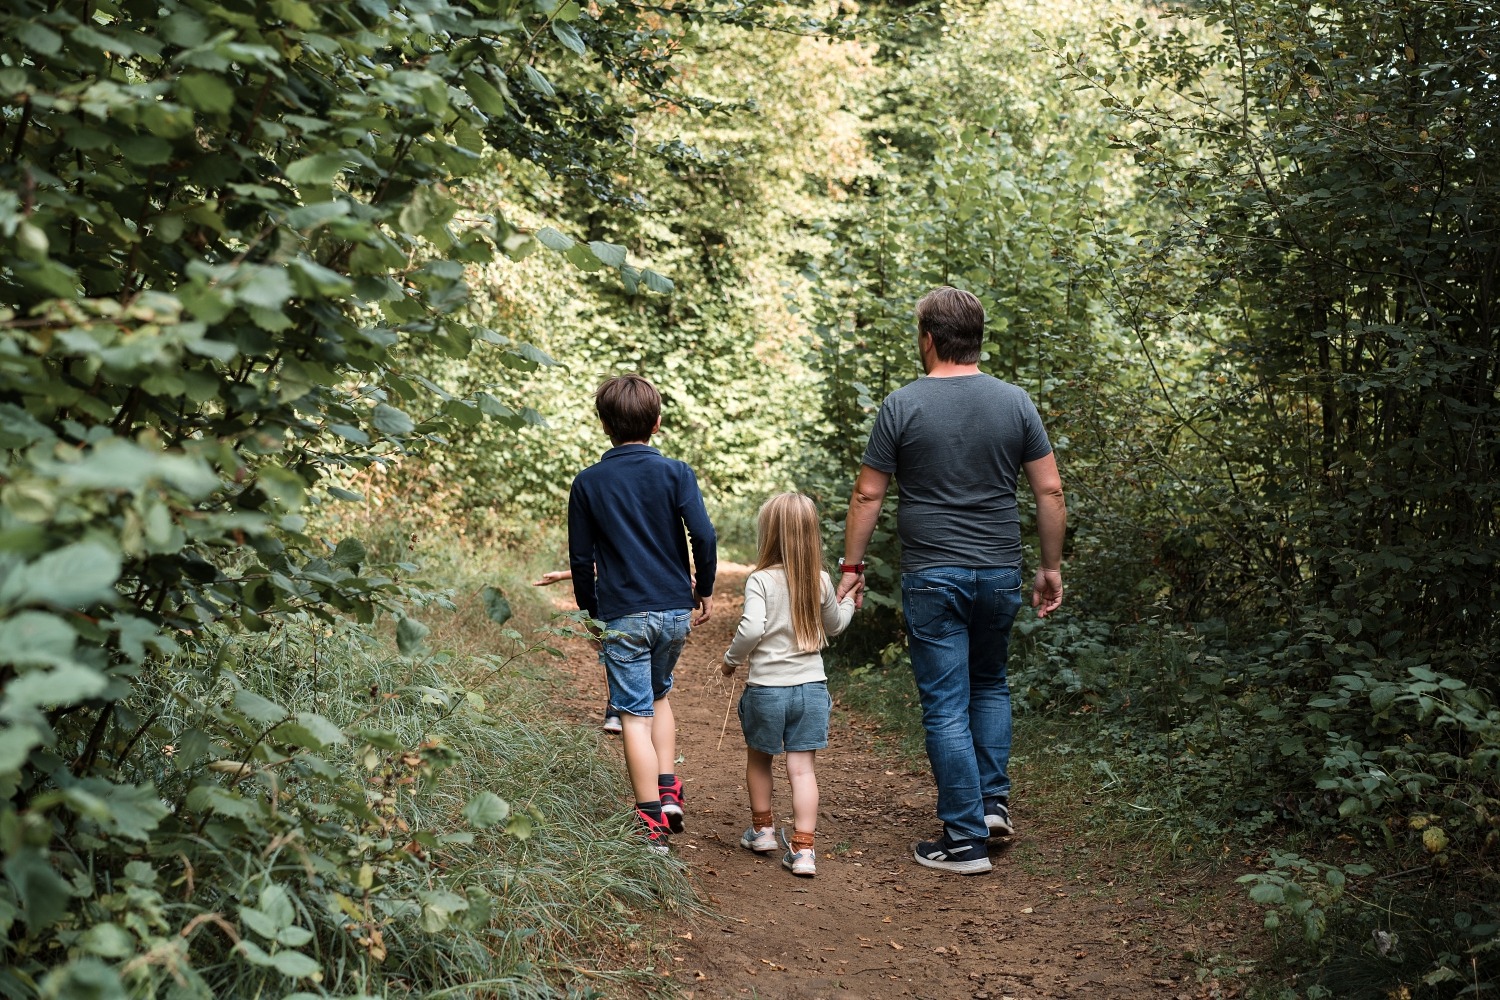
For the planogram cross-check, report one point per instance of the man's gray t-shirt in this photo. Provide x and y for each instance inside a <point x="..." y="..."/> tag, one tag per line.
<point x="955" y="446"/>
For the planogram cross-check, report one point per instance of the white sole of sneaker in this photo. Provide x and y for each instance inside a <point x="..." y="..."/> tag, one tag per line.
<point x="976" y="867"/>
<point x="999" y="829"/>
<point x="673" y="816"/>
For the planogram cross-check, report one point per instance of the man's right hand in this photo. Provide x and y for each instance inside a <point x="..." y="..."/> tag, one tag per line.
<point x="851" y="583"/>
<point x="1047" y="592"/>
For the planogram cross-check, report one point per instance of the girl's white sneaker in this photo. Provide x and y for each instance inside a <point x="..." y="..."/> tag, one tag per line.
<point x="760" y="841"/>
<point x="803" y="862"/>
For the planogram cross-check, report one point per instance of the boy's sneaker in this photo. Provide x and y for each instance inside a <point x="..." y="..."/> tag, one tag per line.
<point x="997" y="817"/>
<point x="612" y="722"/>
<point x="761" y="841"/>
<point x="803" y="862"/>
<point x="964" y="857"/>
<point x="671" y="803"/>
<point x="655" y="830"/>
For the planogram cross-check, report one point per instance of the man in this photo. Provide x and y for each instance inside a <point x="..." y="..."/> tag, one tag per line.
<point x="955" y="441"/>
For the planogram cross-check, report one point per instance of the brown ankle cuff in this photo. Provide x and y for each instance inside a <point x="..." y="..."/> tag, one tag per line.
<point x="802" y="841"/>
<point x="761" y="820"/>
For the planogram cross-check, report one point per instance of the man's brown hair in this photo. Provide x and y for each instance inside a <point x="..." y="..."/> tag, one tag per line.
<point x="629" y="407"/>
<point x="955" y="321"/>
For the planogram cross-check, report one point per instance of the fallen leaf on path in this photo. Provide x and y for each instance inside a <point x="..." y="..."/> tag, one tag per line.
<point x="1028" y="910"/>
<point x="885" y="920"/>
<point x="898" y="947"/>
<point x="686" y="937"/>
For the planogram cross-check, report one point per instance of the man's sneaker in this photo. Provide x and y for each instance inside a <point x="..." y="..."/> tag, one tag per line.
<point x="655" y="830"/>
<point x="997" y="818"/>
<point x="671" y="803"/>
<point x="761" y="841"/>
<point x="803" y="862"/>
<point x="965" y="857"/>
<point x="612" y="722"/>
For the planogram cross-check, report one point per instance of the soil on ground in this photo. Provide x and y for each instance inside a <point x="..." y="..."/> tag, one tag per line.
<point x="1048" y="922"/>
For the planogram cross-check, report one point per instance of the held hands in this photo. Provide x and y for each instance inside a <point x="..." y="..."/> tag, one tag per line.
<point x="1047" y="592"/>
<point x="705" y="606"/>
<point x="851" y="583"/>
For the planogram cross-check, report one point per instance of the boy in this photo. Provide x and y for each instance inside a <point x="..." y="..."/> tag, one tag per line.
<point x="626" y="515"/>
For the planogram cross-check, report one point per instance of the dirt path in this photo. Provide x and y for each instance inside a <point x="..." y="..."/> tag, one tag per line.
<point x="873" y="923"/>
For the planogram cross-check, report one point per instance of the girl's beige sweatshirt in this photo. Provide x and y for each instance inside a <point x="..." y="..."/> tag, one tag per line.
<point x="765" y="634"/>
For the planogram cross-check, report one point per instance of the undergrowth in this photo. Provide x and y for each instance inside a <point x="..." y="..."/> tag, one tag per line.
<point x="1371" y="859"/>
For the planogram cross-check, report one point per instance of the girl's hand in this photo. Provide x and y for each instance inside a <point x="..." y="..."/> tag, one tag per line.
<point x="727" y="669"/>
<point x="556" y="576"/>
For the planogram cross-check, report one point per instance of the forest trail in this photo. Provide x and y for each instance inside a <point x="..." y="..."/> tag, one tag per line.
<point x="1046" y="923"/>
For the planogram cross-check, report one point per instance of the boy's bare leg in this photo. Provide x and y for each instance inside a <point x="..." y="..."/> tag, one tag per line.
<point x="640" y="756"/>
<point x="799" y="768"/>
<point x="758" y="780"/>
<point x="664" y="737"/>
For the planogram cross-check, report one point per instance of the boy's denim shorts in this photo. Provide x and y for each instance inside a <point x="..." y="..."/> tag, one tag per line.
<point x="640" y="651"/>
<point x="786" y="719"/>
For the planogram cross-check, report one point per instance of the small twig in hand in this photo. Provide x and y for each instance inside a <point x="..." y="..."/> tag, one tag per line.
<point x="727" y="706"/>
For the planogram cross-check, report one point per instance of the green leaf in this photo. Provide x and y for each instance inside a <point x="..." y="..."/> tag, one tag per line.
<point x="391" y="421"/>
<point x="349" y="551"/>
<point x="276" y="903"/>
<point x="38" y="38"/>
<point x="438" y="908"/>
<point x="205" y="92"/>
<point x="410" y="634"/>
<point x="260" y="923"/>
<point x="41" y="891"/>
<point x="295" y="964"/>
<point x="1267" y="894"/>
<point x="258" y="709"/>
<point x="486" y="810"/>
<point x="657" y="282"/>
<point x="316" y="170"/>
<point x="74" y="576"/>
<point x="266" y="288"/>
<point x="314" y="731"/>
<point x="133" y="811"/>
<point x="611" y="254"/>
<point x="495" y="605"/>
<point x="554" y="240"/>
<point x="146" y="150"/>
<point x="36" y="639"/>
<point x="568" y="35"/>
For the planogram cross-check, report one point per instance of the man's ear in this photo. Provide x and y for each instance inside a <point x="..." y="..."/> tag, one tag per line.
<point x="656" y="426"/>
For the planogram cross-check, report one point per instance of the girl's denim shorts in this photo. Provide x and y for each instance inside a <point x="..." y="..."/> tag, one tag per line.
<point x="786" y="719"/>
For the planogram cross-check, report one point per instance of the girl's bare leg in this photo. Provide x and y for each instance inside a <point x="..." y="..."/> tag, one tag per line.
<point x="758" y="780"/>
<point x="799" y="767"/>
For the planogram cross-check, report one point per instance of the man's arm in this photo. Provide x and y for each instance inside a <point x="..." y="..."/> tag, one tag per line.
<point x="864" y="510"/>
<point x="1051" y="526"/>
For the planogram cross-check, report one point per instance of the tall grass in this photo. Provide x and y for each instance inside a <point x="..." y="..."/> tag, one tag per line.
<point x="370" y="851"/>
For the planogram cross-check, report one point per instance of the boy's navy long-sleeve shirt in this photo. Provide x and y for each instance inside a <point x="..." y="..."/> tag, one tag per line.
<point x="626" y="515"/>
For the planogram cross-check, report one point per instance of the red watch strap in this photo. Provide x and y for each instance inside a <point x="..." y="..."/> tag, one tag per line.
<point x="858" y="567"/>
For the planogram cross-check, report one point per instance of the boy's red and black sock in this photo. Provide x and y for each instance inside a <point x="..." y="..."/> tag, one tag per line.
<point x="651" y="809"/>
<point x="669" y="787"/>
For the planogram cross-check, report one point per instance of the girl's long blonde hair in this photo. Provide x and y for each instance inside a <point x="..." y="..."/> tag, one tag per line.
<point x="790" y="537"/>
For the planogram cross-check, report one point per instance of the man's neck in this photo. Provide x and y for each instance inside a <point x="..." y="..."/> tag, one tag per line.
<point x="947" y="369"/>
<point x="621" y="444"/>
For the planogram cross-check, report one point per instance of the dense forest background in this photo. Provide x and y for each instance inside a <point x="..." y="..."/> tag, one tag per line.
<point x="303" y="304"/>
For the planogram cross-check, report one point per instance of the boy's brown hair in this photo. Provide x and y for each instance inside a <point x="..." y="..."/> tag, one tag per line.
<point x="955" y="321"/>
<point x="629" y="407"/>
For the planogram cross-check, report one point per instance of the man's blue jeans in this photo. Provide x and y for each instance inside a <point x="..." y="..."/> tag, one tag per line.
<point x="958" y="625"/>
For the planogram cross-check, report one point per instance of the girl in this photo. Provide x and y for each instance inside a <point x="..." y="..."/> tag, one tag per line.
<point x="790" y="611"/>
